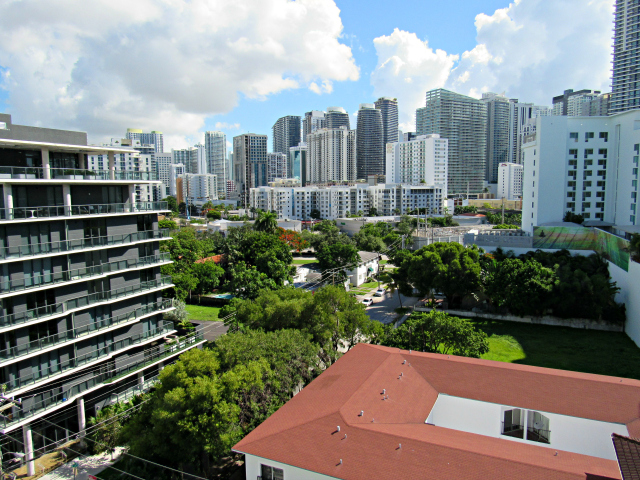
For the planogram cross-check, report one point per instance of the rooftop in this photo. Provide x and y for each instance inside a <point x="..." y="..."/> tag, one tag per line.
<point x="391" y="438"/>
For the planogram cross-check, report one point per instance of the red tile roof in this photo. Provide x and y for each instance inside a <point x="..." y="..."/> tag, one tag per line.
<point x="214" y="259"/>
<point x="303" y="432"/>
<point x="628" y="453"/>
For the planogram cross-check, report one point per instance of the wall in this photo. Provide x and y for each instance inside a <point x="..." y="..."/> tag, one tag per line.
<point x="629" y="294"/>
<point x="572" y="434"/>
<point x="252" y="469"/>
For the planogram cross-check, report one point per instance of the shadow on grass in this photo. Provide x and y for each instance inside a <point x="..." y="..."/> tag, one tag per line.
<point x="590" y="351"/>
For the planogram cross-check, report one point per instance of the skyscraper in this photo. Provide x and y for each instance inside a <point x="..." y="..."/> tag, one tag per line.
<point x="331" y="155"/>
<point x="463" y="121"/>
<point x="389" y="108"/>
<point x="297" y="164"/>
<point x="286" y="134"/>
<point x="569" y="103"/>
<point x="500" y="115"/>
<point x="215" y="144"/>
<point x="626" y="57"/>
<point x="369" y="140"/>
<point x="154" y="138"/>
<point x="276" y="166"/>
<point x="337" y="117"/>
<point x="249" y="164"/>
<point x="313" y="120"/>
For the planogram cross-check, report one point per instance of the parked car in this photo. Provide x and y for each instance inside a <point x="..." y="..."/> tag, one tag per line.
<point x="367" y="301"/>
<point x="379" y="292"/>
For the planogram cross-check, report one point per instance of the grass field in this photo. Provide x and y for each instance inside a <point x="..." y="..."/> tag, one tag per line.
<point x="303" y="261"/>
<point x="590" y="351"/>
<point x="201" y="312"/>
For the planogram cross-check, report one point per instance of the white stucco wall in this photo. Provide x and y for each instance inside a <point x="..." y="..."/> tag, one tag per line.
<point x="252" y="468"/>
<point x="629" y="294"/>
<point x="571" y="434"/>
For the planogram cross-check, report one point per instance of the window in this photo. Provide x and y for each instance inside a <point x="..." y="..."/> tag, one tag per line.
<point x="537" y="427"/>
<point x="3" y="126"/>
<point x="603" y="152"/>
<point x="587" y="136"/>
<point x="513" y="423"/>
<point x="574" y="152"/>
<point x="574" y="136"/>
<point x="604" y="136"/>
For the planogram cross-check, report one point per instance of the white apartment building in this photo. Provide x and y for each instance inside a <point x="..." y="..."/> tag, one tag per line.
<point x="423" y="159"/>
<point x="162" y="163"/>
<point x="510" y="181"/>
<point x="129" y="162"/>
<point x="276" y="166"/>
<point x="176" y="171"/>
<point x="585" y="165"/>
<point x="216" y="149"/>
<point x="339" y="201"/>
<point x="199" y="189"/>
<point x="331" y="155"/>
<point x="580" y="105"/>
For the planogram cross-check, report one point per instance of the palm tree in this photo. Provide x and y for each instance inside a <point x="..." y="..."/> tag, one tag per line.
<point x="266" y="222"/>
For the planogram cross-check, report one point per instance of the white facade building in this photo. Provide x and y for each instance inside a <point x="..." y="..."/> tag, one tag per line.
<point x="162" y="162"/>
<point x="276" y="166"/>
<point x="331" y="155"/>
<point x="510" y="181"/>
<point x="176" y="171"/>
<point x="423" y="159"/>
<point x="216" y="148"/>
<point x="339" y="201"/>
<point x="585" y="165"/>
<point x="199" y="189"/>
<point x="131" y="162"/>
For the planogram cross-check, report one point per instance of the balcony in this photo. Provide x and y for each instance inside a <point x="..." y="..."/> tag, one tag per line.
<point x="49" y="279"/>
<point x="28" y="213"/>
<point x="38" y="173"/>
<point x="65" y="246"/>
<point x="12" y="414"/>
<point x="79" y="333"/>
<point x="59" y="309"/>
<point x="53" y="370"/>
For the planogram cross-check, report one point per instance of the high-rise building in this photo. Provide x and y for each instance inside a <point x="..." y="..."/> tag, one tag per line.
<point x="565" y="104"/>
<point x="249" y="164"/>
<point x="276" y="166"/>
<point x="215" y="144"/>
<point x="286" y="134"/>
<point x="82" y="310"/>
<point x="586" y="166"/>
<point x="193" y="158"/>
<point x="199" y="189"/>
<point x="599" y="106"/>
<point x="337" y="117"/>
<point x="331" y="155"/>
<point x="421" y="160"/>
<point x="230" y="173"/>
<point x="463" y="121"/>
<point x="389" y="108"/>
<point x="176" y="171"/>
<point x="154" y="138"/>
<point x="626" y="57"/>
<point x="297" y="164"/>
<point x="163" y="162"/>
<point x="500" y="117"/>
<point x="369" y="140"/>
<point x="313" y="120"/>
<point x="510" y="181"/>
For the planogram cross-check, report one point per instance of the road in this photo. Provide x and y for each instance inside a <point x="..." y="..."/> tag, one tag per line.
<point x="382" y="308"/>
<point x="213" y="330"/>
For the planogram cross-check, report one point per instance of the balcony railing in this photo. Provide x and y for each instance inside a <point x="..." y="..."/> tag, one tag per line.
<point x="56" y="368"/>
<point x="44" y="401"/>
<point x="80" y="302"/>
<point x="64" y="246"/>
<point x="79" y="332"/>
<point x="513" y="430"/>
<point x="38" y="173"/>
<point x="538" y="434"/>
<point x="64" y="211"/>
<point x="47" y="279"/>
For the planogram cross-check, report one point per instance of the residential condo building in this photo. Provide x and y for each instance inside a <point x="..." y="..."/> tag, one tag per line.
<point x="510" y="181"/>
<point x="313" y="120"/>
<point x="370" y="147"/>
<point x="215" y="144"/>
<point x="421" y="160"/>
<point x="297" y="164"/>
<point x="81" y="312"/>
<point x="337" y="117"/>
<point x="626" y="56"/>
<point x="154" y="138"/>
<point x="286" y="134"/>
<point x="331" y="155"/>
<point x="199" y="189"/>
<point x="389" y="109"/>
<point x="276" y="166"/>
<point x="250" y="168"/>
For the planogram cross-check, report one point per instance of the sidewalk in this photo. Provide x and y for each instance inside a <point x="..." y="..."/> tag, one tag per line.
<point x="92" y="465"/>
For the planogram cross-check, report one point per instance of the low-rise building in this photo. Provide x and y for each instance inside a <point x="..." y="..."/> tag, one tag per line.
<point x="510" y="181"/>
<point x="367" y="268"/>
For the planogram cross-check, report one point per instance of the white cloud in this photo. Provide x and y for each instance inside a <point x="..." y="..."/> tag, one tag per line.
<point x="531" y="50"/>
<point x="106" y="65"/>
<point x="407" y="68"/>
<point x="227" y="126"/>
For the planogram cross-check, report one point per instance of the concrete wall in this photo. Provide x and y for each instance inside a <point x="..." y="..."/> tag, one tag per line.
<point x="252" y="469"/>
<point x="571" y="434"/>
<point x="629" y="283"/>
<point x="37" y="134"/>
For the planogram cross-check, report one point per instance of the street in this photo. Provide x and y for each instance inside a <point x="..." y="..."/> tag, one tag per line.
<point x="382" y="308"/>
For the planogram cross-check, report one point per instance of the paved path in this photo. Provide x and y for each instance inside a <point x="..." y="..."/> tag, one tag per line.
<point x="382" y="308"/>
<point x="92" y="465"/>
<point x="213" y="330"/>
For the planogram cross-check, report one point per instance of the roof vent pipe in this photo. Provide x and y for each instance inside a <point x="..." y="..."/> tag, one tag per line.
<point x="361" y="413"/>
<point x="338" y="428"/>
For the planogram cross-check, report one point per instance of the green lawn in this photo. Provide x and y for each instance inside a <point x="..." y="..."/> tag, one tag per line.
<point x="201" y="312"/>
<point x="591" y="351"/>
<point x="302" y="261"/>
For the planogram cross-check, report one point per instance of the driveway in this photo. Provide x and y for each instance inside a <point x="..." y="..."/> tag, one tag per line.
<point x="382" y="308"/>
<point x="213" y="330"/>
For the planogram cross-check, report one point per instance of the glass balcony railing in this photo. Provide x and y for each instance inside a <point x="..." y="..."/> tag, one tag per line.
<point x="64" y="211"/>
<point x="47" y="279"/>
<point x="38" y="173"/>
<point x="56" y="368"/>
<point x="80" y="302"/>
<point x="42" y="402"/>
<point x="63" y="246"/>
<point x="79" y="332"/>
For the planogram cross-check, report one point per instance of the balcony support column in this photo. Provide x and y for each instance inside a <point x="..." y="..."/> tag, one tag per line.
<point x="28" y="450"/>
<point x="82" y="161"/>
<point x="112" y="165"/>
<point x="46" y="168"/>
<point x="132" y="197"/>
<point x="66" y="197"/>
<point x="160" y="366"/>
<point x="82" y="419"/>
<point x="141" y="378"/>
<point x="8" y="201"/>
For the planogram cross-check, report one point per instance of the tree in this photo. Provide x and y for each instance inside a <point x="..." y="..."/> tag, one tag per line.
<point x="373" y="212"/>
<point x="208" y="275"/>
<point x="214" y="215"/>
<point x="407" y="225"/>
<point x="634" y="247"/>
<point x="368" y="243"/>
<point x="170" y="224"/>
<point x="178" y="315"/>
<point x="172" y="203"/>
<point x="315" y="214"/>
<point x="208" y="205"/>
<point x="294" y="239"/>
<point x="246" y="282"/>
<point x="572" y="218"/>
<point x="338" y="256"/>
<point x="438" y="332"/>
<point x="360" y="213"/>
<point x="184" y="284"/>
<point x="106" y="433"/>
<point x="446" y="267"/>
<point x="266" y="222"/>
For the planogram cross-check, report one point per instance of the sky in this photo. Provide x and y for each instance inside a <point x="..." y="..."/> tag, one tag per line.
<point x="187" y="66"/>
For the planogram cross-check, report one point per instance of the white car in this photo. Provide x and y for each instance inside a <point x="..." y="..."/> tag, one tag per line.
<point x="367" y="301"/>
<point x="379" y="292"/>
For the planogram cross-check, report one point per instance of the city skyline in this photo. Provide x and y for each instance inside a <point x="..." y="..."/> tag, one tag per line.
<point x="470" y="49"/>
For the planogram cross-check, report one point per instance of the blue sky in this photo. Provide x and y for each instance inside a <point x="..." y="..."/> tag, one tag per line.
<point x="186" y="66"/>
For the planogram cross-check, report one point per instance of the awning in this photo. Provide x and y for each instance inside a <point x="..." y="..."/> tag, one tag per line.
<point x="370" y="269"/>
